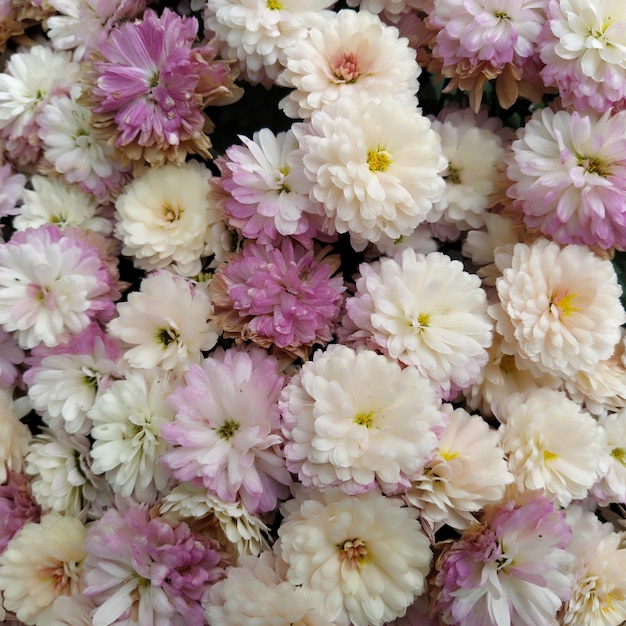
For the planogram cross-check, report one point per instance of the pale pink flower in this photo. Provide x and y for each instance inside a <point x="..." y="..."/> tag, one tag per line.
<point x="17" y="507"/>
<point x="11" y="190"/>
<point x="11" y="355"/>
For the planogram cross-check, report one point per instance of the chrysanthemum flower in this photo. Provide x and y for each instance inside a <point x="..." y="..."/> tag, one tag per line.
<point x="467" y="472"/>
<point x="424" y="311"/>
<point x="584" y="51"/>
<point x="362" y="557"/>
<point x="349" y="52"/>
<point x="569" y="174"/>
<point x="147" y="88"/>
<point x="512" y="569"/>
<point x="256" y="32"/>
<point x="264" y="200"/>
<point x="11" y="355"/>
<point x="611" y="487"/>
<point x="269" y="600"/>
<point x="52" y="283"/>
<point x="559" y="307"/>
<point x="165" y="324"/>
<point x="357" y="421"/>
<point x="374" y="164"/>
<point x="42" y="562"/>
<point x="286" y="296"/>
<point x="552" y="444"/>
<point x="145" y="568"/>
<point x="127" y="421"/>
<point x="165" y="216"/>
<point x="15" y="435"/>
<point x="11" y="190"/>
<point x="17" y="507"/>
<point x="226" y="430"/>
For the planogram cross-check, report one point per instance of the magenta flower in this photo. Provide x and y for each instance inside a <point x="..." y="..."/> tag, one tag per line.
<point x="149" y="86"/>
<point x="17" y="507"/>
<point x="148" y="570"/>
<point x="287" y="296"/>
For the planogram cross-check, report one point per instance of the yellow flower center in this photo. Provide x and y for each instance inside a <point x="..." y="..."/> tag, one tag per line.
<point x="549" y="456"/>
<point x="448" y="455"/>
<point x="564" y="304"/>
<point x="619" y="454"/>
<point x="454" y="175"/>
<point x="378" y="160"/>
<point x="594" y="165"/>
<point x="172" y="213"/>
<point x="364" y="419"/>
<point x="354" y="552"/>
<point x="228" y="429"/>
<point x="274" y="5"/>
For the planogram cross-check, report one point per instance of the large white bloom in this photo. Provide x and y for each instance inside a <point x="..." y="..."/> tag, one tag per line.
<point x="42" y="562"/>
<point x="14" y="435"/>
<point x="467" y="472"/>
<point x="425" y="311"/>
<point x="552" y="444"/>
<point x="363" y="557"/>
<point x="165" y="216"/>
<point x="165" y="324"/>
<point x="350" y="51"/>
<point x="559" y="307"/>
<point x="356" y="420"/>
<point x="374" y="164"/>
<point x="127" y="420"/>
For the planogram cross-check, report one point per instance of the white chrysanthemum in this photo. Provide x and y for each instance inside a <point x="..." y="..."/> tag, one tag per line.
<point x="559" y="307"/>
<point x="612" y="484"/>
<point x="599" y="592"/>
<point x="502" y="376"/>
<point x="269" y="600"/>
<point x="425" y="311"/>
<point x="357" y="420"/>
<point x="29" y="78"/>
<point x="14" y="435"/>
<point x="193" y="504"/>
<point x="374" y="164"/>
<point x="469" y="180"/>
<point x="467" y="472"/>
<point x="42" y="562"/>
<point x="363" y="557"/>
<point x="256" y="32"/>
<point x="552" y="444"/>
<point x="62" y="479"/>
<point x="349" y="52"/>
<point x="165" y="324"/>
<point x="127" y="420"/>
<point x="421" y="240"/>
<point x="165" y="216"/>
<point x="52" y="201"/>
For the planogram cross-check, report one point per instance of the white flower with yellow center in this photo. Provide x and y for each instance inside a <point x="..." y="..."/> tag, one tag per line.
<point x="363" y="557"/>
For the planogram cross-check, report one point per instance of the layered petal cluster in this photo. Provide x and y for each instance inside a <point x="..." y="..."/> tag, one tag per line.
<point x="357" y="421"/>
<point x="17" y="507"/>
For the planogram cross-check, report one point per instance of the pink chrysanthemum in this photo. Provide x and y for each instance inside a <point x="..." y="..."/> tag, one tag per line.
<point x="226" y="429"/>
<point x="569" y="174"/>
<point x="145" y="569"/>
<point x="513" y="569"/>
<point x="286" y="296"/>
<point x="11" y="355"/>
<point x="147" y="87"/>
<point x="17" y="507"/>
<point x="53" y="283"/>
<point x="478" y="40"/>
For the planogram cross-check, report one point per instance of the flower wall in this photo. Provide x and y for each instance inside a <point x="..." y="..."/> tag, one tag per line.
<point x="312" y="314"/>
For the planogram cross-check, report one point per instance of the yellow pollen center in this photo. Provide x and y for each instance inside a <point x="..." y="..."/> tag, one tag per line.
<point x="549" y="456"/>
<point x="594" y="165"/>
<point x="448" y="455"/>
<point x="364" y="419"/>
<point x="378" y="160"/>
<point x="619" y="454"/>
<point x="228" y="429"/>
<point x="354" y="552"/>
<point x="564" y="303"/>
<point x="171" y="213"/>
<point x="274" y="5"/>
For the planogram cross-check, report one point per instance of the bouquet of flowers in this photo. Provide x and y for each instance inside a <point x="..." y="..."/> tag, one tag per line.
<point x="311" y="314"/>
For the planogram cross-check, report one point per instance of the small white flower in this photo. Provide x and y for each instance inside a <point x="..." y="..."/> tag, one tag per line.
<point x="127" y="420"/>
<point x="612" y="484"/>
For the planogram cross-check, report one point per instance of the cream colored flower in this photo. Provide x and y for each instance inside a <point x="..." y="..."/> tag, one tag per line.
<point x="14" y="435"/>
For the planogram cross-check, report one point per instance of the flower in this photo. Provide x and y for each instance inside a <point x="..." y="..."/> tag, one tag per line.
<point x="467" y="472"/>
<point x="52" y="283"/>
<point x="363" y="558"/>
<point x="165" y="324"/>
<point x="15" y="434"/>
<point x="268" y="598"/>
<point x="147" y="88"/>
<point x="74" y="610"/>
<point x="226" y="429"/>
<point x="263" y="200"/>
<point x="17" y="507"/>
<point x="349" y="52"/>
<point x="64" y="381"/>
<point x="356" y="420"/>
<point x="425" y="311"/>
<point x="611" y="486"/>
<point x="559" y="307"/>
<point x="42" y="562"/>
<point x="255" y="32"/>
<point x="52" y="201"/>
<point x="11" y="190"/>
<point x="141" y="567"/>
<point x="513" y="569"/>
<point x="127" y="421"/>
<point x="551" y="444"/>
<point x="11" y="355"/>
<point x="584" y="51"/>
<point x="164" y="216"/>
<point x="569" y="176"/>
<point x="286" y="296"/>
<point x="374" y="164"/>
